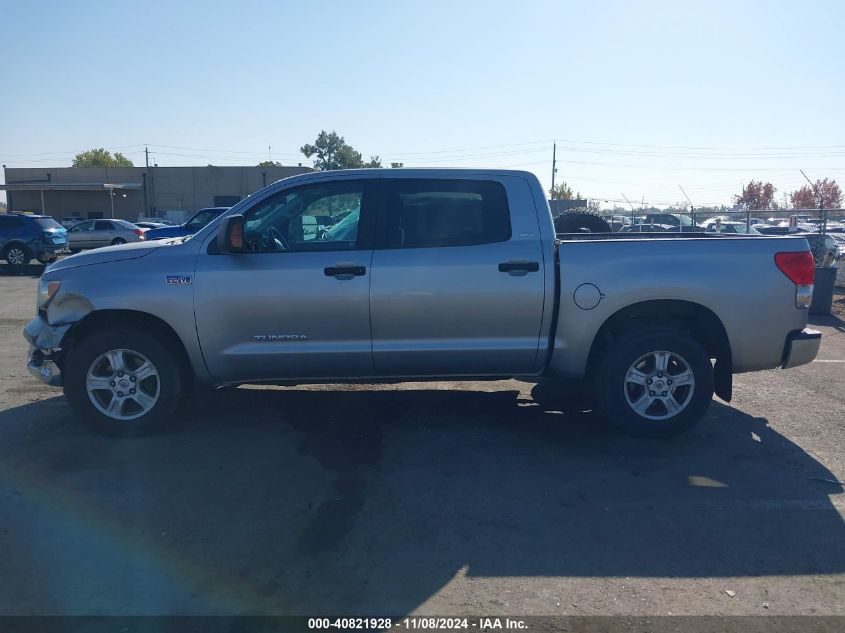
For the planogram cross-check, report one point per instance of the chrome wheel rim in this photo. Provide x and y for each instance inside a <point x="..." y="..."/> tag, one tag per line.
<point x="659" y="385"/>
<point x="123" y="384"/>
<point x="15" y="256"/>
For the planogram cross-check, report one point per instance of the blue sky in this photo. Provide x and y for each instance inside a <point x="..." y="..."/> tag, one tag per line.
<point x="641" y="97"/>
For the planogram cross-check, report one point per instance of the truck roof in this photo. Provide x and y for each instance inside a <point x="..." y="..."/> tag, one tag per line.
<point x="409" y="172"/>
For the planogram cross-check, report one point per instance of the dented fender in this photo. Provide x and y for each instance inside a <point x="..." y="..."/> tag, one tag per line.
<point x="44" y="336"/>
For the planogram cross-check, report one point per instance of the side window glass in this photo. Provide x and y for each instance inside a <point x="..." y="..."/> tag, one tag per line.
<point x="102" y="225"/>
<point x="322" y="217"/>
<point x="435" y="213"/>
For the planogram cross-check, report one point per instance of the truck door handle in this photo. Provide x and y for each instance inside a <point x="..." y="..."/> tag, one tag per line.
<point x="519" y="267"/>
<point x="345" y="272"/>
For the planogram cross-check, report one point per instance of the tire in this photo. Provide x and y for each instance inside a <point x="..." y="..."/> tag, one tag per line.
<point x="74" y="251"/>
<point x="17" y="255"/>
<point x="47" y="260"/>
<point x="136" y="416"/>
<point x="581" y="222"/>
<point x="118" y="240"/>
<point x="623" y="397"/>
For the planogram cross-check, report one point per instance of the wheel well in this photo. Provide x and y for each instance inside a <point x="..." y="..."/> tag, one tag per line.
<point x="99" y="320"/>
<point x="19" y="243"/>
<point x="700" y="322"/>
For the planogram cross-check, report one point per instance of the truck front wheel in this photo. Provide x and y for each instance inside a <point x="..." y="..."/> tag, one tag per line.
<point x="654" y="382"/>
<point x="123" y="383"/>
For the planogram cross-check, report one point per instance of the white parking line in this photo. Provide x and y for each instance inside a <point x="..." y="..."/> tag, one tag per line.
<point x="818" y="360"/>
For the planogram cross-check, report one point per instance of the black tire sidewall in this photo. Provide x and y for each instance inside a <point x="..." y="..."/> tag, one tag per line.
<point x="610" y="380"/>
<point x="170" y="381"/>
<point x="117" y="241"/>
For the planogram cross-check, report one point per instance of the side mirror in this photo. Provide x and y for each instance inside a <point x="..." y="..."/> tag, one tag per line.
<point x="230" y="237"/>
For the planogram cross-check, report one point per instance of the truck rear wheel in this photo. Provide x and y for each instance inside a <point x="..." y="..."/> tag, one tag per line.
<point x="655" y="382"/>
<point x="123" y="383"/>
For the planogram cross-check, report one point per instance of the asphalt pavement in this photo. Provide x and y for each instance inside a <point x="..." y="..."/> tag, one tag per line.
<point x="470" y="498"/>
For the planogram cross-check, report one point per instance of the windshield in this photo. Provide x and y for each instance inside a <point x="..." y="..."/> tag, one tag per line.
<point x="48" y="223"/>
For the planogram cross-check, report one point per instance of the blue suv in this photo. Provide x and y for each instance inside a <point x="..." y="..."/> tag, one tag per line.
<point x="24" y="237"/>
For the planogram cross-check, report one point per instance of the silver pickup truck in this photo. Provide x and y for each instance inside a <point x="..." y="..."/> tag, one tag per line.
<point x="418" y="274"/>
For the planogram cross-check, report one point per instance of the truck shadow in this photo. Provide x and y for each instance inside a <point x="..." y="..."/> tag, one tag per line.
<point x="26" y="270"/>
<point x="342" y="501"/>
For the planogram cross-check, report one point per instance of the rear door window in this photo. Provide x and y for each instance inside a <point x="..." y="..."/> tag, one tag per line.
<point x="435" y="213"/>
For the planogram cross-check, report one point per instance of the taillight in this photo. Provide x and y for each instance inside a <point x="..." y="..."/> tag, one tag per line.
<point x="138" y="232"/>
<point x="798" y="266"/>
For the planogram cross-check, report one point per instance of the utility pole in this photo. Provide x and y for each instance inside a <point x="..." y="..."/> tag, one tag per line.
<point x="822" y="213"/>
<point x="691" y="208"/>
<point x="554" y="168"/>
<point x="147" y="162"/>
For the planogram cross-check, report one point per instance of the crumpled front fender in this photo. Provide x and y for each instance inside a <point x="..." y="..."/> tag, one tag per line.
<point x="44" y="336"/>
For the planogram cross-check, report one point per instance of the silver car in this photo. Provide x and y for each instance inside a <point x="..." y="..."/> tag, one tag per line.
<point x="97" y="233"/>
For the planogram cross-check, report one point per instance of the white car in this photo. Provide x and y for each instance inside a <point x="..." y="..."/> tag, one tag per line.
<point x="731" y="227"/>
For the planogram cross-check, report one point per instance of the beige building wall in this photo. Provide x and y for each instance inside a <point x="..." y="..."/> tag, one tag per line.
<point x="169" y="189"/>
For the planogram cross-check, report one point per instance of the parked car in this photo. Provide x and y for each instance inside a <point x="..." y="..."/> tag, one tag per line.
<point x="199" y="220"/>
<point x="449" y="274"/>
<point x="156" y="219"/>
<point x="731" y="227"/>
<point x="70" y="221"/>
<point x="647" y="228"/>
<point x="821" y="246"/>
<point x="24" y="237"/>
<point x="678" y="221"/>
<point x="97" y="233"/>
<point x="768" y="229"/>
<point x="146" y="226"/>
<point x="840" y="244"/>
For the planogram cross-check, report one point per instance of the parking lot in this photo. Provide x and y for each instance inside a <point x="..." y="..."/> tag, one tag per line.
<point x="435" y="498"/>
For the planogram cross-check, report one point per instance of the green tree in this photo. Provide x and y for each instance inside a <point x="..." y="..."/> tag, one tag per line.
<point x="561" y="192"/>
<point x="99" y="157"/>
<point x="269" y="163"/>
<point x="332" y="152"/>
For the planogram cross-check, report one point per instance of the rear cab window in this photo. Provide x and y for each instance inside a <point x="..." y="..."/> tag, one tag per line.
<point x="424" y="213"/>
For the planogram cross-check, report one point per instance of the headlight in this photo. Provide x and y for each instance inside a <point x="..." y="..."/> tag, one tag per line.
<point x="46" y="290"/>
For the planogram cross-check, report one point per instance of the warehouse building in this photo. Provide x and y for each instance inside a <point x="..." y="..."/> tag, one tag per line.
<point x="131" y="193"/>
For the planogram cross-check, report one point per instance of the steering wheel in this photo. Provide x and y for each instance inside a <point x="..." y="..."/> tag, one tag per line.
<point x="278" y="238"/>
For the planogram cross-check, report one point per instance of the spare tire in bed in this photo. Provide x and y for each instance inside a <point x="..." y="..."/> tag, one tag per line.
<point x="581" y="222"/>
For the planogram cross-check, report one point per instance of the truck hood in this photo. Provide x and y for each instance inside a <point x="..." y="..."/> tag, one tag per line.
<point x="107" y="254"/>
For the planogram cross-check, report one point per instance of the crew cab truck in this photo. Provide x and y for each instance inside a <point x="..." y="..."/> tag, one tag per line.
<point x="426" y="274"/>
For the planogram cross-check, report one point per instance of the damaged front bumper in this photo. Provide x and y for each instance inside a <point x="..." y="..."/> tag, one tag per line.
<point x="44" y="342"/>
